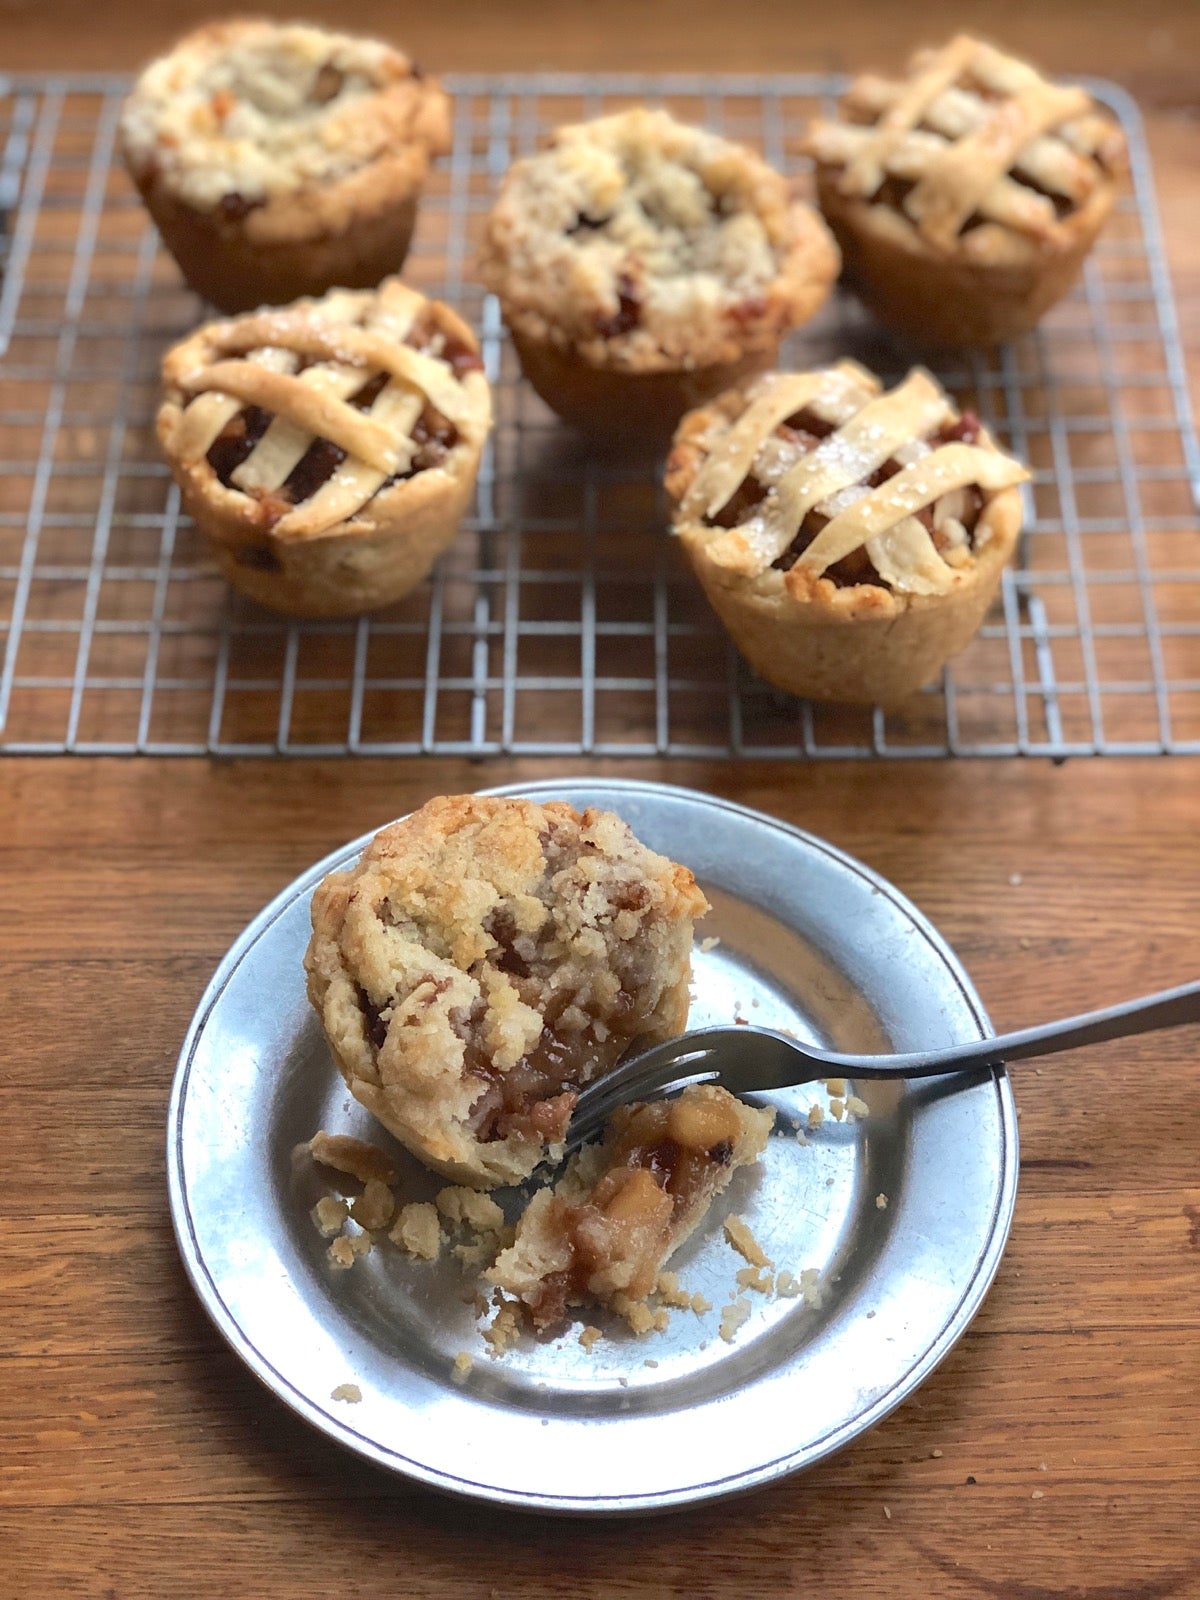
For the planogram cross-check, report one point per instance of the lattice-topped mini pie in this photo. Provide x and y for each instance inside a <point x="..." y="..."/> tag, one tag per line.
<point x="851" y="540"/>
<point x="625" y="1205"/>
<point x="279" y="159"/>
<point x="966" y="195"/>
<point x="485" y="959"/>
<point x="643" y="265"/>
<point x="328" y="449"/>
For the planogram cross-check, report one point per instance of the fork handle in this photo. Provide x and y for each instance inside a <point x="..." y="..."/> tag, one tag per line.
<point x="1171" y="1008"/>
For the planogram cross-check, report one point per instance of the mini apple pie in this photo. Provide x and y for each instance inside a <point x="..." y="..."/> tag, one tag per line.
<point x="484" y="960"/>
<point x="643" y="265"/>
<point x="851" y="540"/>
<point x="328" y="449"/>
<point x="623" y="1206"/>
<point x="966" y="195"/>
<point x="279" y="160"/>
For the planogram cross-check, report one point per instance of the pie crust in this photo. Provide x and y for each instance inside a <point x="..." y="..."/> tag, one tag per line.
<point x="328" y="449"/>
<point x="623" y="1206"/>
<point x="966" y="195"/>
<point x="279" y="159"/>
<point x="643" y="265"/>
<point x="487" y="957"/>
<point x="851" y="540"/>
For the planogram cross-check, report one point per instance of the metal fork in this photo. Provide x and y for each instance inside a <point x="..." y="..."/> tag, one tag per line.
<point x="744" y="1059"/>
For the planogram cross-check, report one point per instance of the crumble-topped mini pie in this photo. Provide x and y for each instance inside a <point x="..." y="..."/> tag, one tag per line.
<point x="851" y="540"/>
<point x="624" y="1205"/>
<point x="279" y="160"/>
<point x="643" y="265"/>
<point x="966" y="195"/>
<point x="484" y="960"/>
<point x="328" y="449"/>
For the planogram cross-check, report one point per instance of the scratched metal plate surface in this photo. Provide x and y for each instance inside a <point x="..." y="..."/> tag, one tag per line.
<point x="809" y="940"/>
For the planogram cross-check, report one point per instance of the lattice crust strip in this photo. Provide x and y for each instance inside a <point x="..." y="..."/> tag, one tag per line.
<point x="303" y="366"/>
<point x="968" y="118"/>
<point x="870" y="429"/>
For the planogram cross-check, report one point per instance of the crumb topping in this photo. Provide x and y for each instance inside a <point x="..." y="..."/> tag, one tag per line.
<point x="636" y="237"/>
<point x="239" y="113"/>
<point x="484" y="960"/>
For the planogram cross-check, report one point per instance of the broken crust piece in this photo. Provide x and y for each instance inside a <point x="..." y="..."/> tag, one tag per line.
<point x="624" y="1205"/>
<point x="487" y="957"/>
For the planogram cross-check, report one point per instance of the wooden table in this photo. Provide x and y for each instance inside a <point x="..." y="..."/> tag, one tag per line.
<point x="1056" y="1452"/>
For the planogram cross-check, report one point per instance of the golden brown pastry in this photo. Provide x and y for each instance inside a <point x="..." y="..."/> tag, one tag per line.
<point x="966" y="194"/>
<point x="643" y="265"/>
<point x="851" y="540"/>
<point x="484" y="960"/>
<point x="279" y="160"/>
<point x="328" y="449"/>
<point x="623" y="1206"/>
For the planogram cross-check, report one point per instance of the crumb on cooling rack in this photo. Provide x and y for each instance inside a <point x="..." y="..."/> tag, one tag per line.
<point x="418" y="1230"/>
<point x="708" y="944"/>
<point x="329" y="1214"/>
<point x="732" y="1318"/>
<point x="816" y="1116"/>
<point x="349" y="1392"/>
<point x="589" y="1337"/>
<point x="857" y="1107"/>
<point x="835" y="1086"/>
<point x="881" y="1201"/>
<point x="463" y="1362"/>
<point x="787" y="1285"/>
<point x="837" y="1108"/>
<point x="375" y="1207"/>
<point x="760" y="1279"/>
<point x="738" y="1233"/>
<point x="344" y="1153"/>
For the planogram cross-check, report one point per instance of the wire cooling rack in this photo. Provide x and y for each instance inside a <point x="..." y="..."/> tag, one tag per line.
<point x="562" y="620"/>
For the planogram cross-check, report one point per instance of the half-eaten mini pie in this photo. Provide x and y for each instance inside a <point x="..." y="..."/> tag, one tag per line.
<point x="328" y="449"/>
<point x="623" y="1206"/>
<point x="966" y="195"/>
<point x="484" y="960"/>
<point x="643" y="265"/>
<point x="851" y="540"/>
<point x="279" y="160"/>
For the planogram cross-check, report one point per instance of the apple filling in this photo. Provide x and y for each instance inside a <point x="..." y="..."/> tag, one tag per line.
<point x="623" y="1206"/>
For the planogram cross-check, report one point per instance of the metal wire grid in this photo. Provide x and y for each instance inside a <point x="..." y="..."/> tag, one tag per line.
<point x="562" y="620"/>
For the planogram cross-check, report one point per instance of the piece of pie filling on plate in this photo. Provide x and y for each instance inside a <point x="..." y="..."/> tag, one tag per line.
<point x="602" y="1234"/>
<point x="850" y="538"/>
<point x="486" y="958"/>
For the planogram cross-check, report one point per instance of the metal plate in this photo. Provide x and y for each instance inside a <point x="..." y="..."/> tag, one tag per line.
<point x="809" y="940"/>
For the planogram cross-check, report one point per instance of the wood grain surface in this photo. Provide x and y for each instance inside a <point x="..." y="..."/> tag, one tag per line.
<point x="1055" y="1453"/>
